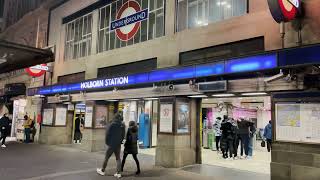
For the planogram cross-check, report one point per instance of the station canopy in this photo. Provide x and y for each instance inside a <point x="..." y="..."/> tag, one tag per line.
<point x="16" y="56"/>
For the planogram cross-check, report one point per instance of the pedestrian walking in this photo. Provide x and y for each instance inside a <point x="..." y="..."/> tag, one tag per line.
<point x="27" y="128"/>
<point x="115" y="133"/>
<point x="131" y="145"/>
<point x="4" y="129"/>
<point x="217" y="131"/>
<point x="268" y="135"/>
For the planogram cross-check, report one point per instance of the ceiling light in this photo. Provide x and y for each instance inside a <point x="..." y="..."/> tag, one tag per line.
<point x="223" y="95"/>
<point x="113" y="100"/>
<point x="151" y="98"/>
<point x="198" y="96"/>
<point x="254" y="94"/>
<point x="228" y="6"/>
<point x="133" y="99"/>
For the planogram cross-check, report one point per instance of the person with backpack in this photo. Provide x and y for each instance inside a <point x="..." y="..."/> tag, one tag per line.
<point x="131" y="145"/>
<point x="4" y="129"/>
<point x="115" y="133"/>
<point x="228" y="136"/>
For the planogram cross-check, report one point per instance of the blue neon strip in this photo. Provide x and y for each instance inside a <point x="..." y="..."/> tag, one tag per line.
<point x="251" y="63"/>
<point x="255" y="63"/>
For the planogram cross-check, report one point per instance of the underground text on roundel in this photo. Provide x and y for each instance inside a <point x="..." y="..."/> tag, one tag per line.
<point x="103" y="83"/>
<point x="139" y="16"/>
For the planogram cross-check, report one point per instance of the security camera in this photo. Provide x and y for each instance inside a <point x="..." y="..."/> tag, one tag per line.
<point x="274" y="78"/>
<point x="170" y="87"/>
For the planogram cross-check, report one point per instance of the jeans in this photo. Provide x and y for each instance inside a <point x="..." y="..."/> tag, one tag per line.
<point x="27" y="132"/>
<point x="217" y="142"/>
<point x="250" y="152"/>
<point x="269" y="144"/>
<point x="245" y="141"/>
<point x="135" y="159"/>
<point x="109" y="153"/>
<point x="239" y="141"/>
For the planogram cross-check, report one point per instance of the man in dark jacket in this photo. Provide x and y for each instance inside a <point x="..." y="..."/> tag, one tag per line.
<point x="115" y="133"/>
<point x="4" y="129"/>
<point x="243" y="134"/>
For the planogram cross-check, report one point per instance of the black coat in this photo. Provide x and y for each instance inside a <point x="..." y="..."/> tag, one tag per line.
<point x="131" y="145"/>
<point x="115" y="133"/>
<point x="4" y="124"/>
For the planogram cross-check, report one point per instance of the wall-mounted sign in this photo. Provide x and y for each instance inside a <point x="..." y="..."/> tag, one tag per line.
<point x="284" y="10"/>
<point x="38" y="70"/>
<point x="245" y="64"/>
<point x="128" y="20"/>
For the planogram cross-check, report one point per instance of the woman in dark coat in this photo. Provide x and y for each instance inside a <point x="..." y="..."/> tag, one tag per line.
<point x="131" y="145"/>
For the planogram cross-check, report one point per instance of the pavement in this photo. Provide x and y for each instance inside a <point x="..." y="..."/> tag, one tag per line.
<point x="41" y="162"/>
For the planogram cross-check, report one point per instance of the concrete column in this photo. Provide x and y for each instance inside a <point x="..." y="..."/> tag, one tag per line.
<point x="170" y="17"/>
<point x="178" y="150"/>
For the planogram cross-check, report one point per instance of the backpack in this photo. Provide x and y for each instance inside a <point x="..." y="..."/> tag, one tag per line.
<point x="32" y="125"/>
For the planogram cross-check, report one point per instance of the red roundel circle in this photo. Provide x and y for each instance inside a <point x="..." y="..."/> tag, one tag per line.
<point x="35" y="72"/>
<point x="288" y="10"/>
<point x="128" y="32"/>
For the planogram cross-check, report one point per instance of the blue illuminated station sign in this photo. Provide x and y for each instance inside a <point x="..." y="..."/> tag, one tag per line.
<point x="245" y="64"/>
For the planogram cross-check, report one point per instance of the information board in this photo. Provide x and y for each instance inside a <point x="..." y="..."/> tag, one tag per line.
<point x="166" y="118"/>
<point x="88" y="117"/>
<point x="48" y="117"/>
<point x="298" y="122"/>
<point x="61" y="116"/>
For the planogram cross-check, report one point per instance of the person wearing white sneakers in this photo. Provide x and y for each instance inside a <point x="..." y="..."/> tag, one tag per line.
<point x="115" y="133"/>
<point x="4" y="129"/>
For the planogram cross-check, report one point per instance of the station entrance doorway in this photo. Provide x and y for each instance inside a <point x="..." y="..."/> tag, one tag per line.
<point x="218" y="109"/>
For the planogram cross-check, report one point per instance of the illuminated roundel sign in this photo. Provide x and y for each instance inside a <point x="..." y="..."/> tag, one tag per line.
<point x="128" y="20"/>
<point x="38" y="70"/>
<point x="284" y="10"/>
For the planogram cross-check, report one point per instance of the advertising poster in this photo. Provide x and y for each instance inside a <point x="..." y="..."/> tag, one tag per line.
<point x="166" y="118"/>
<point x="61" y="116"/>
<point x="101" y="116"/>
<point x="183" y="117"/>
<point x="48" y="117"/>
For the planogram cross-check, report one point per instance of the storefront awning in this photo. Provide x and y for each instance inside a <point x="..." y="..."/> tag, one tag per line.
<point x="16" y="56"/>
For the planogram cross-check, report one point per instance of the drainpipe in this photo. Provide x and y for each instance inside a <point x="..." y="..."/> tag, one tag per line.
<point x="282" y="33"/>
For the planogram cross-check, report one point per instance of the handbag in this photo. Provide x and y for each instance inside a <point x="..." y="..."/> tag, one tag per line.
<point x="263" y="144"/>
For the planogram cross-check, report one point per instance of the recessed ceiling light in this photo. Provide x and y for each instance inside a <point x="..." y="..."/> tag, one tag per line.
<point x="112" y="100"/>
<point x="198" y="96"/>
<point x="223" y="95"/>
<point x="254" y="94"/>
<point x="151" y="98"/>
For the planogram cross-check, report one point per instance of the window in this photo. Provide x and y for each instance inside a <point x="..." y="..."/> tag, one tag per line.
<point x="129" y="68"/>
<point x="150" y="28"/>
<point x="71" y="78"/>
<point x="1" y="8"/>
<point x="78" y="37"/>
<point x="224" y="51"/>
<point x="196" y="13"/>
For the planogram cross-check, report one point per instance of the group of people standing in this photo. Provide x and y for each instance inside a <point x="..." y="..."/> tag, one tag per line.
<point x="5" y="129"/>
<point x="232" y="134"/>
<point x="115" y="136"/>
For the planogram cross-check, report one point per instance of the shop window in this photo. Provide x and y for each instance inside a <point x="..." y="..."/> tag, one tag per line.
<point x="196" y="13"/>
<point x="150" y="28"/>
<point x="220" y="52"/>
<point x="130" y="68"/>
<point x="78" y="37"/>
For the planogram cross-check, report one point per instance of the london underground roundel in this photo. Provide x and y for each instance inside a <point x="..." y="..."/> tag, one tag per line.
<point x="128" y="20"/>
<point x="37" y="71"/>
<point x="284" y="10"/>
